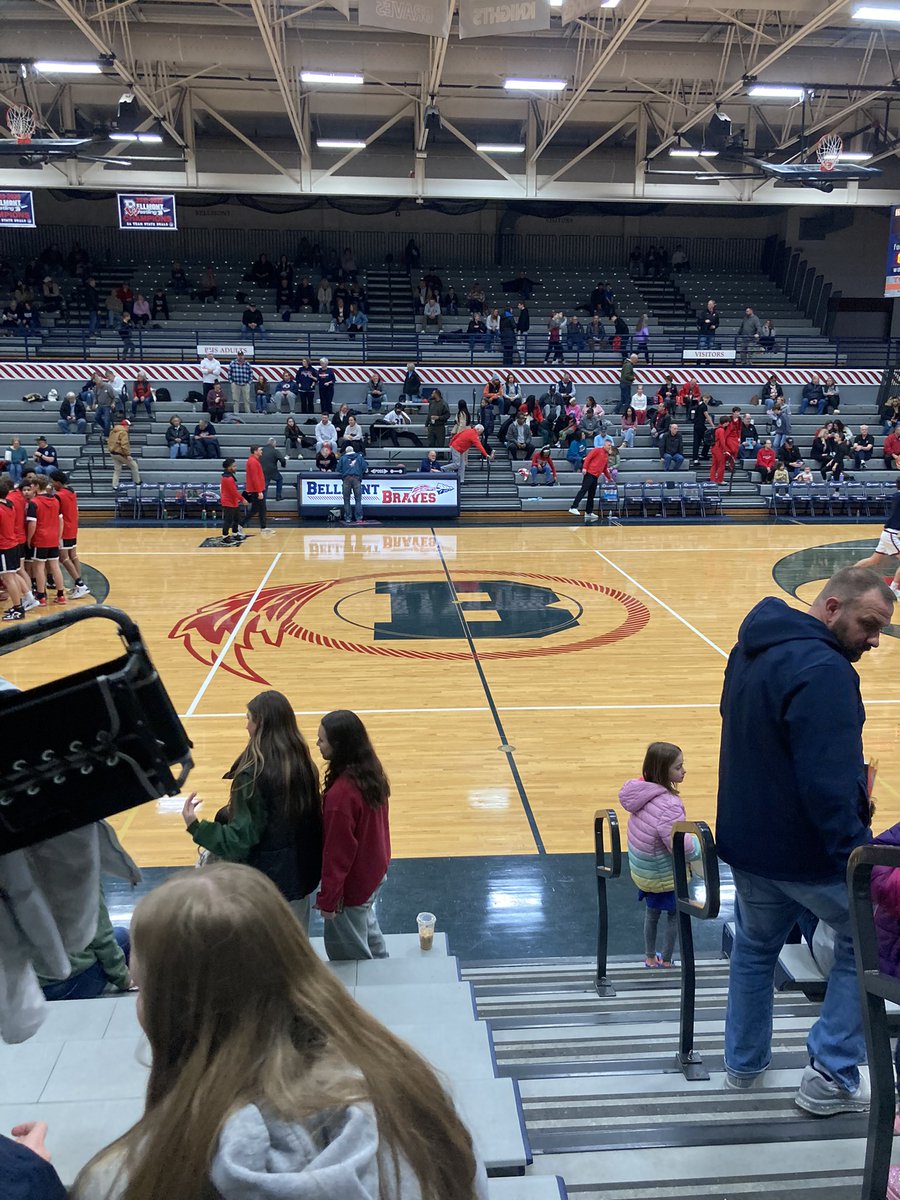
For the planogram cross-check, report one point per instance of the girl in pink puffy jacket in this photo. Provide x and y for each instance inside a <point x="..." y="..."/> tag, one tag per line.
<point x="654" y="806"/>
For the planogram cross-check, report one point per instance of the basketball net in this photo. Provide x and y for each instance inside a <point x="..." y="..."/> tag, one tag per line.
<point x="828" y="151"/>
<point x="20" y="121"/>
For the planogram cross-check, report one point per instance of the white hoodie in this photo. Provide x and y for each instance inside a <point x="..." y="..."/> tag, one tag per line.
<point x="260" y="1158"/>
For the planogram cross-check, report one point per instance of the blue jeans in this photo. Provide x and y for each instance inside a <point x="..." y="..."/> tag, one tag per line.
<point x="673" y="462"/>
<point x="628" y="436"/>
<point x="545" y="471"/>
<point x="804" y="405"/>
<point x="765" y="911"/>
<point x="178" y="450"/>
<point x="66" y="426"/>
<point x="103" y="418"/>
<point x="90" y="983"/>
<point x="260" y="331"/>
<point x="14" y="471"/>
<point x="93" y="323"/>
<point x="706" y="341"/>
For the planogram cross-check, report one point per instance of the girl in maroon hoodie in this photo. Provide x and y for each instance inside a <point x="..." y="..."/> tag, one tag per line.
<point x="357" y="850"/>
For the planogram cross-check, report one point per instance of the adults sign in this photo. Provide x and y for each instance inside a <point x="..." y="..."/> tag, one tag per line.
<point x="17" y="210"/>
<point x="892" y="268"/>
<point x="144" y="211"/>
<point x="411" y="497"/>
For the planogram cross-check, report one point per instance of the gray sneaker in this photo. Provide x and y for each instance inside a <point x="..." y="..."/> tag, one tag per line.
<point x="743" y="1083"/>
<point x="824" y="1097"/>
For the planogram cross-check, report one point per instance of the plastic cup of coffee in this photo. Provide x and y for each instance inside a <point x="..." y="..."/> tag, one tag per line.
<point x="426" y="922"/>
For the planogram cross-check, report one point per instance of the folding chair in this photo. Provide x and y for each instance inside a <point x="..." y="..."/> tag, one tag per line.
<point x="173" y="499"/>
<point x="127" y="501"/>
<point x="712" y="499"/>
<point x="633" y="500"/>
<point x="654" y="497"/>
<point x="608" y="501"/>
<point x="692" y="500"/>
<point x="150" y="501"/>
<point x="801" y="498"/>
<point x="820" y="499"/>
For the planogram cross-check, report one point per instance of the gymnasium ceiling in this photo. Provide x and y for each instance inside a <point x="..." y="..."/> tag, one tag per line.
<point x="221" y="80"/>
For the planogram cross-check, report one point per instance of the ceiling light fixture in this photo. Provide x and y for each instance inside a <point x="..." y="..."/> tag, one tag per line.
<point x="146" y="139"/>
<point x="690" y="152"/>
<point x="53" y="67"/>
<point x="340" y="144"/>
<point x="499" y="148"/>
<point x="872" y="12"/>
<point x="611" y="3"/>
<point x="534" y="85"/>
<point x="329" y="77"/>
<point x="854" y="156"/>
<point x="767" y="91"/>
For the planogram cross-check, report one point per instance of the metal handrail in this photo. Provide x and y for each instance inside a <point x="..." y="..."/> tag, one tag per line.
<point x="605" y="816"/>
<point x="690" y="908"/>
<point x="875" y="988"/>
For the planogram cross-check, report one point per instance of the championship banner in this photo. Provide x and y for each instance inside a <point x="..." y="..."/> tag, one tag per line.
<point x="892" y="269"/>
<point x="388" y="496"/>
<point x="428" y="17"/>
<point x="481" y="18"/>
<point x="17" y="210"/>
<point x="573" y="9"/>
<point x="146" y="211"/>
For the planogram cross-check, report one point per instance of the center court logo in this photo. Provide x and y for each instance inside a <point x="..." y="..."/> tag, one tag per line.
<point x="422" y="607"/>
<point x="815" y="565"/>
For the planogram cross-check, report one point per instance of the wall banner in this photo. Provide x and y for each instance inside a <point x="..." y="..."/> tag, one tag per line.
<point x="17" y="210"/>
<point x="428" y="17"/>
<point x="146" y="211"/>
<point x="481" y="18"/>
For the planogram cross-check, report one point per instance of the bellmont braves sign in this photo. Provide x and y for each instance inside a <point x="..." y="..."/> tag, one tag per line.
<point x="412" y="497"/>
<point x="16" y="210"/>
<point x="146" y="211"/>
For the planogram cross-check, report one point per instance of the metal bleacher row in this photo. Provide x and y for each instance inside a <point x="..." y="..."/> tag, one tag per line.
<point x="643" y="487"/>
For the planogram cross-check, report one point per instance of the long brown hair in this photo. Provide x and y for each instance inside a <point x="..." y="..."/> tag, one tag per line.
<point x="658" y="762"/>
<point x="353" y="754"/>
<point x="277" y="759"/>
<point x="239" y="1010"/>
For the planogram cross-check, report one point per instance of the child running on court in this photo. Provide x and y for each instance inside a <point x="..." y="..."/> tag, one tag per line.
<point x="653" y="805"/>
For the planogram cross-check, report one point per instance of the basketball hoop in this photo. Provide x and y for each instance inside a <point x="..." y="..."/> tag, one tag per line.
<point x="20" y="121"/>
<point x="828" y="151"/>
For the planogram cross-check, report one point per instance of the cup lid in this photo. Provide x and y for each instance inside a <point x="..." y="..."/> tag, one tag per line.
<point x="426" y="918"/>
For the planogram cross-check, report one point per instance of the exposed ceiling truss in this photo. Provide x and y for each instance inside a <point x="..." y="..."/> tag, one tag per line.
<point x="221" y="80"/>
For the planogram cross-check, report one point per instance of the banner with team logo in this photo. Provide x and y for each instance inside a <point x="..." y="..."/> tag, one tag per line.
<point x="892" y="269"/>
<point x="146" y="211"/>
<point x="481" y="18"/>
<point x="412" y="497"/>
<point x="17" y="210"/>
<point x="429" y="17"/>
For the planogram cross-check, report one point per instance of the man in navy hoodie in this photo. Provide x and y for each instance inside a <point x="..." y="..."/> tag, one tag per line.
<point x="791" y="700"/>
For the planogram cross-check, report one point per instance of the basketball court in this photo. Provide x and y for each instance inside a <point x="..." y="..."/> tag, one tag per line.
<point x="511" y="677"/>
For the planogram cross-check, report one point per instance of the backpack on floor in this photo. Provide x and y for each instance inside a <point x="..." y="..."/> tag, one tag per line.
<point x="163" y="395"/>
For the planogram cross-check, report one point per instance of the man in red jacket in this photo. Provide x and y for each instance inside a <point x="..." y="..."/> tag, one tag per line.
<point x="230" y="499"/>
<point x="461" y="443"/>
<point x="255" y="488"/>
<point x="688" y="394"/>
<point x="596" y="463"/>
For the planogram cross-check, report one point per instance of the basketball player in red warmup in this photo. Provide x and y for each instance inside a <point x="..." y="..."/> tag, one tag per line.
<point x="733" y="436"/>
<point x="719" y="450"/>
<point x="230" y="499"/>
<point x="19" y="498"/>
<point x="255" y="488"/>
<point x="9" y="554"/>
<point x="45" y="524"/>
<point x="68" y="547"/>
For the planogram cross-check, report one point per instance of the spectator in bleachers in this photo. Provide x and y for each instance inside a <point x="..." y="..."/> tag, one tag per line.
<point x="14" y="459"/>
<point x="463" y="418"/>
<point x="667" y="394"/>
<point x="863" y="447"/>
<point x="9" y="322"/>
<point x="521" y="285"/>
<point x="45" y="458"/>
<point x="749" y="331"/>
<point x="512" y="393"/>
<point x="840" y="448"/>
<point x="205" y="443"/>
<point x="140" y="310"/>
<point x="436" y="420"/>
<point x="325" y="431"/>
<point x="519" y="441"/>
<point x="765" y="462"/>
<point x="430" y="465"/>
<point x="749" y="437"/>
<point x="307" y="381"/>
<point x="635" y="263"/>
<point x="352" y="434"/>
<point x="284" y="297"/>
<point x="813" y="393"/>
<point x="178" y="280"/>
<point x="374" y="392"/>
<point x="207" y="285"/>
<point x="211" y="371"/>
<point x="508" y="337"/>
<point x="651" y="263"/>
<point x="476" y="333"/>
<point x="285" y="392"/>
<point x="24" y="293"/>
<point x="114" y="309"/>
<point x="253" y="322"/>
<point x="781" y="424"/>
<point x="324" y="296"/>
<point x="431" y="314"/>
<point x="261" y="393"/>
<point x="492" y="327"/>
<point x="575" y="335"/>
<point x="142" y="393"/>
<point x="51" y="296"/>
<point x="262" y="272"/>
<point x="240" y="376"/>
<point x="595" y="333"/>
<point x="450" y="302"/>
<point x="702" y="425"/>
<point x="340" y="315"/>
<point x="341" y="419"/>
<point x="284" y="268"/>
<point x="832" y="395"/>
<point x="214" y="404"/>
<point x="659" y="421"/>
<point x="556" y="327"/>
<point x="523" y="325"/>
<point x="412" y="383"/>
<point x="671" y="449"/>
<point x="72" y="415"/>
<point x="357" y="321"/>
<point x="326" y="460"/>
<point x="621" y="336"/>
<point x="889" y="414"/>
<point x="126" y="336"/>
<point x="819" y="451"/>
<point x="126" y="296"/>
<point x="577" y="448"/>
<point x="177" y="438"/>
<point x="641" y="338"/>
<point x="305" y="296"/>
<point x="890" y="449"/>
<point x="475" y="298"/>
<point x="626" y="381"/>
<point x="271" y="459"/>
<point x="639" y="402"/>
<point x="326" y="379"/>
<point x="28" y="319"/>
<point x="118" y="444"/>
<point x="293" y="438"/>
<point x="627" y="427"/>
<point x="680" y="262"/>
<point x="543" y="467"/>
<point x="770" y="392"/>
<point x="767" y="337"/>
<point x="461" y="443"/>
<point x="707" y="325"/>
<point x="393" y="423"/>
<point x="159" y="307"/>
<point x="790" y="456"/>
